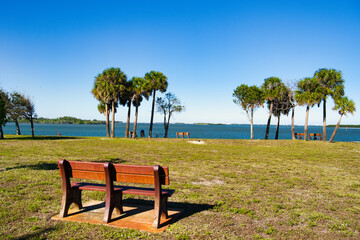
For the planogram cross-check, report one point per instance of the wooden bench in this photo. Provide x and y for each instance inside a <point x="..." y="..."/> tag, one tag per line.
<point x="183" y="134"/>
<point x="299" y="135"/>
<point x="155" y="175"/>
<point x="315" y="136"/>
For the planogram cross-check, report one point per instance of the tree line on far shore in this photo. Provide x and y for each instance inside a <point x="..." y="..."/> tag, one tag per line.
<point x="112" y="88"/>
<point x="281" y="99"/>
<point x="15" y="106"/>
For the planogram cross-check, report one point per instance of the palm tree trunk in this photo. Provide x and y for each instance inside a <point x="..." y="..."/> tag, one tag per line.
<point x="324" y="120"/>
<point x="113" y="119"/>
<point x="252" y="124"/>
<point x="32" y="127"/>
<point x="152" y="115"/>
<point x="293" y="123"/>
<point x="136" y="117"/>
<point x="269" y="120"/>
<point x="17" y="126"/>
<point x="277" y="128"/>
<point x="128" y="121"/>
<point x="306" y="123"/>
<point x="335" y="130"/>
<point x="1" y="132"/>
<point x="107" y="120"/>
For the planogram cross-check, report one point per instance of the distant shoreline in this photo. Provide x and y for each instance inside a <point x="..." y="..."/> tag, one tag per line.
<point x="345" y="126"/>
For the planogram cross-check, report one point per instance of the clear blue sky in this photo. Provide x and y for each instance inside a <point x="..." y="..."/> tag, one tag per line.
<point x="52" y="50"/>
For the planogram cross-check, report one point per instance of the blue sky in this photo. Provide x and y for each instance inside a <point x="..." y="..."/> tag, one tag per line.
<point x="52" y="50"/>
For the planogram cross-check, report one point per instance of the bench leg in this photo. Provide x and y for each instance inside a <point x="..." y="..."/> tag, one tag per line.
<point x="73" y="195"/>
<point x="113" y="201"/>
<point x="161" y="210"/>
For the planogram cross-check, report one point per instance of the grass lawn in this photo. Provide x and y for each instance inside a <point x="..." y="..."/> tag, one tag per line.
<point x="231" y="189"/>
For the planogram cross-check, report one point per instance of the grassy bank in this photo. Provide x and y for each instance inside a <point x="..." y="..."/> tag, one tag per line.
<point x="231" y="189"/>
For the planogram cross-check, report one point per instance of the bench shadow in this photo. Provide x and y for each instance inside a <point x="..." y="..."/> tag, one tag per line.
<point x="39" y="166"/>
<point x="111" y="160"/>
<point x="186" y="209"/>
<point x="36" y="235"/>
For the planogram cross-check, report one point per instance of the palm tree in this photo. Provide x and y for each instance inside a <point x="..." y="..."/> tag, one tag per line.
<point x="282" y="105"/>
<point x="249" y="98"/>
<point x="127" y="99"/>
<point x="108" y="87"/>
<point x="271" y="89"/>
<point x="332" y="84"/>
<point x="344" y="106"/>
<point x="140" y="88"/>
<point x="157" y="81"/>
<point x="308" y="93"/>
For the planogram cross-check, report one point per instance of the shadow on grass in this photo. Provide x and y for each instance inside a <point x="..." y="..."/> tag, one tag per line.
<point x="27" y="138"/>
<point x="187" y="209"/>
<point x="39" y="166"/>
<point x="34" y="235"/>
<point x="112" y="160"/>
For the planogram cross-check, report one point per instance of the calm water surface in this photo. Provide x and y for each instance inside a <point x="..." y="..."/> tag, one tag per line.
<point x="234" y="131"/>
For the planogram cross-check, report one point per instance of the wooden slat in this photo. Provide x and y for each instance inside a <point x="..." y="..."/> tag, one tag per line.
<point x="137" y="169"/>
<point x="134" y="178"/>
<point x="89" y="186"/>
<point x="89" y="166"/>
<point x="88" y="175"/>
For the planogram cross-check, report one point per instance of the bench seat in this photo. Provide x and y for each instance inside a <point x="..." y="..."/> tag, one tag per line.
<point x="124" y="189"/>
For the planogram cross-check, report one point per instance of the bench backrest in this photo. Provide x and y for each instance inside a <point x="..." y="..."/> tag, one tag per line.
<point x="121" y="173"/>
<point x="140" y="174"/>
<point x="83" y="170"/>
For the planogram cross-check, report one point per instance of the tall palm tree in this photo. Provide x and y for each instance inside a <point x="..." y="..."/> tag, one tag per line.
<point x="344" y="106"/>
<point x="100" y="93"/>
<point x="128" y="99"/>
<point x="157" y="82"/>
<point x="108" y="87"/>
<point x="271" y="89"/>
<point x="282" y="105"/>
<point x="140" y="88"/>
<point x="332" y="85"/>
<point x="308" y="93"/>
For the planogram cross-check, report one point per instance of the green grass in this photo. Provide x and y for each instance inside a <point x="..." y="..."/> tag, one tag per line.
<point x="230" y="189"/>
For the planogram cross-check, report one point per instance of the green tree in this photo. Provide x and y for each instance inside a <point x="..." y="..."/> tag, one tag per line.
<point x="140" y="88"/>
<point x="4" y="110"/>
<point x="168" y="105"/>
<point x="332" y="84"/>
<point x="17" y="109"/>
<point x="308" y="93"/>
<point x="108" y="87"/>
<point x="271" y="88"/>
<point x="344" y="106"/>
<point x="249" y="98"/>
<point x="157" y="82"/>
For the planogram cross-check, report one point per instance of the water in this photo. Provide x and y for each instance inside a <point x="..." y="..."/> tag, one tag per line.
<point x="234" y="131"/>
